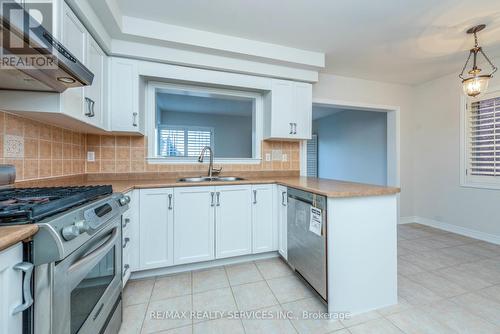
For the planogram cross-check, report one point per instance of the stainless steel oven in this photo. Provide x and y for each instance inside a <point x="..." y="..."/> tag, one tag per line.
<point x="82" y="292"/>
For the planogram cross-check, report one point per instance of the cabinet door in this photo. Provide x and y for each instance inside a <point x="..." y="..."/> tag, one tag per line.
<point x="233" y="221"/>
<point x="74" y="39"/>
<point x="263" y="222"/>
<point x="282" y="109"/>
<point x="302" y="112"/>
<point x="282" y="223"/>
<point x="94" y="95"/>
<point x="124" y="88"/>
<point x="193" y="224"/>
<point x="156" y="228"/>
<point x="10" y="290"/>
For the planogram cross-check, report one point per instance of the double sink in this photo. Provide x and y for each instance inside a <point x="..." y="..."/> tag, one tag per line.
<point x="210" y="179"/>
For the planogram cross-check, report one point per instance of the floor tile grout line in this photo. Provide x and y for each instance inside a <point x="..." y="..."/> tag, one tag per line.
<point x="234" y="299"/>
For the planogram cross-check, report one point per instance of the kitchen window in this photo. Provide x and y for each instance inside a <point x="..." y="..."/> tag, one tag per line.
<point x="183" y="119"/>
<point x="481" y="141"/>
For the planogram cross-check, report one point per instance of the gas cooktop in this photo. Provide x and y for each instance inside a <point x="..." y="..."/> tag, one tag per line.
<point x="30" y="205"/>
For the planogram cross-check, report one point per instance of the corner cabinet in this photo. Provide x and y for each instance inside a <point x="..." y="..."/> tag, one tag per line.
<point x="11" y="290"/>
<point x="288" y="110"/>
<point x="125" y="97"/>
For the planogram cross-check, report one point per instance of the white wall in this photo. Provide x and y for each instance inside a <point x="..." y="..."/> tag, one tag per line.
<point x="352" y="146"/>
<point x="438" y="194"/>
<point x="354" y="90"/>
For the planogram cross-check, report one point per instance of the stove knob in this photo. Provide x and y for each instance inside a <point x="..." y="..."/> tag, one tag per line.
<point x="70" y="232"/>
<point x="124" y="200"/>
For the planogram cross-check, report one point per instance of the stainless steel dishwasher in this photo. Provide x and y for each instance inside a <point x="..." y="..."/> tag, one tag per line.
<point x="306" y="249"/>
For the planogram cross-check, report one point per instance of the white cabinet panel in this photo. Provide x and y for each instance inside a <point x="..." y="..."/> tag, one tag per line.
<point x="74" y="39"/>
<point x="263" y="219"/>
<point x="233" y="221"/>
<point x="193" y="224"/>
<point x="282" y="223"/>
<point x="124" y="94"/>
<point x="156" y="229"/>
<point x="94" y="94"/>
<point x="302" y="102"/>
<point x="10" y="290"/>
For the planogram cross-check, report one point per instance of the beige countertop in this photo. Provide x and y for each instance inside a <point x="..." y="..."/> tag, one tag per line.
<point x="11" y="235"/>
<point x="329" y="188"/>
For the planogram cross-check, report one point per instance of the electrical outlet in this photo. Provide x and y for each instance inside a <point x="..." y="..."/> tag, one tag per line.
<point x="91" y="156"/>
<point x="268" y="156"/>
<point x="284" y="157"/>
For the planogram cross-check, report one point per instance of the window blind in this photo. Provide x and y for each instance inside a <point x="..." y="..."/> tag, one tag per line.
<point x="183" y="141"/>
<point x="312" y="156"/>
<point x="484" y="137"/>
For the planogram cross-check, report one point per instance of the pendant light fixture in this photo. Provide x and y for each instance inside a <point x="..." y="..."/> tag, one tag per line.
<point x="475" y="83"/>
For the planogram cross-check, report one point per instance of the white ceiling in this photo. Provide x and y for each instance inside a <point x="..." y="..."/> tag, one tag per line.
<point x="390" y="40"/>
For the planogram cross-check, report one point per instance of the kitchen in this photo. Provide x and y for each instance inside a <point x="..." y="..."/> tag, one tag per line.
<point x="158" y="178"/>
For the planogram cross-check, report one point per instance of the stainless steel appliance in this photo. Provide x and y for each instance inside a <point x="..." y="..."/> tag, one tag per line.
<point x="77" y="279"/>
<point x="35" y="42"/>
<point x="306" y="249"/>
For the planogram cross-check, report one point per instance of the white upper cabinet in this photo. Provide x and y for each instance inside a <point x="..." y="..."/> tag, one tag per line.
<point x="124" y="96"/>
<point x="264" y="225"/>
<point x="233" y="221"/>
<point x="288" y="110"/>
<point x="157" y="228"/>
<point x="94" y="94"/>
<point x="80" y="108"/>
<point x="193" y="224"/>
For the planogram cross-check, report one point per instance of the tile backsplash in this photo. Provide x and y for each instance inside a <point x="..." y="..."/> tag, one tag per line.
<point x="40" y="150"/>
<point x="127" y="154"/>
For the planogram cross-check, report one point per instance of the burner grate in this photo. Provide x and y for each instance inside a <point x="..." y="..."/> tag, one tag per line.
<point x="29" y="205"/>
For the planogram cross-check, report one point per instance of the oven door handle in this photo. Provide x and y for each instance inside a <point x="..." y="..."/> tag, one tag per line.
<point x="27" y="268"/>
<point x="101" y="250"/>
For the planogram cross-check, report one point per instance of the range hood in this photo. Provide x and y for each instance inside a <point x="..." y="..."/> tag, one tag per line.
<point x="36" y="60"/>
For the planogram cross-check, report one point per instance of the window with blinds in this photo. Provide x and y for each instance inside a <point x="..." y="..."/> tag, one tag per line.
<point x="483" y="139"/>
<point x="183" y="141"/>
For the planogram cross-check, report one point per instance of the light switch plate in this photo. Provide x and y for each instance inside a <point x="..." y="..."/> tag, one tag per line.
<point x="91" y="156"/>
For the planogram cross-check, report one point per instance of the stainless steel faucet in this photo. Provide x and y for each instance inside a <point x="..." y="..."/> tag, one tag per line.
<point x="211" y="169"/>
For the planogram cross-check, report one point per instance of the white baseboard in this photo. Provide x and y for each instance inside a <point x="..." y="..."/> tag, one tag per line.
<point x="488" y="237"/>
<point x="201" y="265"/>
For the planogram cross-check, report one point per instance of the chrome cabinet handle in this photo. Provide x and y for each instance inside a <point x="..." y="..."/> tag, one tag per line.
<point x="212" y="199"/>
<point x="255" y="197"/>
<point x="126" y="221"/>
<point x="294" y="128"/>
<point x="27" y="268"/>
<point x="291" y="128"/>
<point x="283" y="200"/>
<point x="125" y="269"/>
<point x="127" y="240"/>
<point x="90" y="107"/>
<point x="218" y="198"/>
<point x="170" y="201"/>
<point x="134" y="115"/>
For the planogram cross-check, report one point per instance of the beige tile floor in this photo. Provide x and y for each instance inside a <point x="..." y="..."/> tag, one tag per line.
<point x="447" y="284"/>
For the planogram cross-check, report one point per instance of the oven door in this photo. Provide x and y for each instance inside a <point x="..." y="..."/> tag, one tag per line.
<point x="87" y="284"/>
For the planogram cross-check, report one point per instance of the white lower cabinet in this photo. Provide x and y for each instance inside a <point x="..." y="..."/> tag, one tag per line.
<point x="11" y="290"/>
<point x="282" y="221"/>
<point x="233" y="221"/>
<point x="193" y="224"/>
<point x="263" y="219"/>
<point x="156" y="228"/>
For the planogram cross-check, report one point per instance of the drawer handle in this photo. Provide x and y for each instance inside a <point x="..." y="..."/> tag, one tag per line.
<point x="27" y="268"/>
<point x="127" y="240"/>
